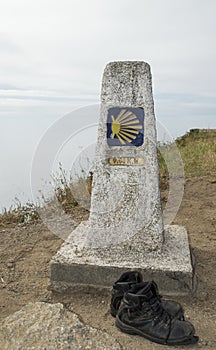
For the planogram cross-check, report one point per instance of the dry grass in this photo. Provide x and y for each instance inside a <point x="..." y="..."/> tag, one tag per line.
<point x="198" y="152"/>
<point x="19" y="214"/>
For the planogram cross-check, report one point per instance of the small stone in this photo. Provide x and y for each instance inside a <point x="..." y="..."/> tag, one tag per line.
<point x="211" y="342"/>
<point x="10" y="265"/>
<point x="203" y="296"/>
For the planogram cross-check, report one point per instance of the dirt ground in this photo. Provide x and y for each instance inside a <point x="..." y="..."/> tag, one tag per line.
<point x="25" y="253"/>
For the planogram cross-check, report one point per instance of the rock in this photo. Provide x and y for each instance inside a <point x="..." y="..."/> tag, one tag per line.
<point x="48" y="327"/>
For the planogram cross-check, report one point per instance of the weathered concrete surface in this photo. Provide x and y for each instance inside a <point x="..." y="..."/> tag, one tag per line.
<point x="126" y="199"/>
<point x="51" y="327"/>
<point x="171" y="268"/>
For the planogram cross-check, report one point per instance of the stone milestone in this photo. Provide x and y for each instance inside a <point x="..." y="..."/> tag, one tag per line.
<point x="126" y="198"/>
<point x="125" y="229"/>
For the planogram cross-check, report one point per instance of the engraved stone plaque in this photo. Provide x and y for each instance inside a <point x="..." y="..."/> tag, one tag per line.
<point x="126" y="161"/>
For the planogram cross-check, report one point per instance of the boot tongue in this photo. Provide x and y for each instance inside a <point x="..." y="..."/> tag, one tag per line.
<point x="138" y="277"/>
<point x="147" y="289"/>
<point x="130" y="277"/>
<point x="141" y="288"/>
<point x="144" y="289"/>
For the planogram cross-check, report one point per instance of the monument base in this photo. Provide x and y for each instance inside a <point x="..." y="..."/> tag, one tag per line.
<point x="172" y="268"/>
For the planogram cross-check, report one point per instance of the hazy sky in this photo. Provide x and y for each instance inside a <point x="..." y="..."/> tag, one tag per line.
<point x="52" y="56"/>
<point x="53" y="52"/>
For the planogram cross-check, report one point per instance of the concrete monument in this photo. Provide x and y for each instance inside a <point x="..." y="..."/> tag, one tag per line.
<point x="125" y="229"/>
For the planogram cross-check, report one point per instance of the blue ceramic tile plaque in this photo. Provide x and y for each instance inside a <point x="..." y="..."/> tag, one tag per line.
<point x="125" y="126"/>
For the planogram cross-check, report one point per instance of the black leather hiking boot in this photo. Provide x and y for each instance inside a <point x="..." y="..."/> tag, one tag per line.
<point x="130" y="278"/>
<point x="141" y="313"/>
<point x="121" y="286"/>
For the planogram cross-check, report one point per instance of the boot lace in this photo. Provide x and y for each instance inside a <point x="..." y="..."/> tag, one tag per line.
<point x="159" y="314"/>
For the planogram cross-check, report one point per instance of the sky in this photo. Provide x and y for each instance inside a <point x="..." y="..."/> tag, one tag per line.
<point x="52" y="57"/>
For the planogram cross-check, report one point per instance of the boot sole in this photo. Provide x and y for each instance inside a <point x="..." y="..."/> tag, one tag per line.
<point x="134" y="331"/>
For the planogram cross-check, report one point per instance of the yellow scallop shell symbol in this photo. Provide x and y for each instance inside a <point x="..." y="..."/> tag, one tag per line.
<point x="126" y="126"/>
